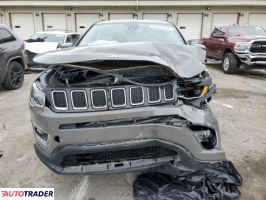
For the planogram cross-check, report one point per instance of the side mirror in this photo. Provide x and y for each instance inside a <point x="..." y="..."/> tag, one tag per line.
<point x="197" y="43"/>
<point x="218" y="36"/>
<point x="66" y="45"/>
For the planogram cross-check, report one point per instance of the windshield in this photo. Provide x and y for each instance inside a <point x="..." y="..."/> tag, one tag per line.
<point x="131" y="32"/>
<point x="47" y="37"/>
<point x="246" y="30"/>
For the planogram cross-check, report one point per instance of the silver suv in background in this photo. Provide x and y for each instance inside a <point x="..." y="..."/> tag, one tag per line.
<point x="12" y="59"/>
<point x="49" y="40"/>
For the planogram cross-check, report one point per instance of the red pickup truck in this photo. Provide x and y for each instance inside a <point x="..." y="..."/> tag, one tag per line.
<point x="237" y="46"/>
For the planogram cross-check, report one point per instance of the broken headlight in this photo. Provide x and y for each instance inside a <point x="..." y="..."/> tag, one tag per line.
<point x="37" y="97"/>
<point x="198" y="88"/>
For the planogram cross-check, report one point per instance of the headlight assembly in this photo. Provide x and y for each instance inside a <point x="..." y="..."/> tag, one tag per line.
<point x="241" y="46"/>
<point x="37" y="97"/>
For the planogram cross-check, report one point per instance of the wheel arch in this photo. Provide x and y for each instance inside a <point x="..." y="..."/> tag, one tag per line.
<point x="17" y="59"/>
<point x="227" y="50"/>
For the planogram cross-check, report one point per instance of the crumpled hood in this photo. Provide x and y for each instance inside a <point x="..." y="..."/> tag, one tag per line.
<point x="40" y="47"/>
<point x="183" y="60"/>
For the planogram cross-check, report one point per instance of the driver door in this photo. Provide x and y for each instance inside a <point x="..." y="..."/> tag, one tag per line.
<point x="216" y="44"/>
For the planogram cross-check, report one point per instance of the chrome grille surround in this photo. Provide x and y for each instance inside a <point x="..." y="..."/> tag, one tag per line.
<point x="130" y="94"/>
<point x="72" y="101"/>
<point x="65" y="99"/>
<point x="112" y="98"/>
<point x="149" y="95"/>
<point x="93" y="102"/>
<point x="165" y="93"/>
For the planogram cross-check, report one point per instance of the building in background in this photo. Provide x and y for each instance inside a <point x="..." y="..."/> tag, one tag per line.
<point x="195" y="18"/>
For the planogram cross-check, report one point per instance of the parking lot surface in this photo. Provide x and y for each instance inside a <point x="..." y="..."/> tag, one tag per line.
<point x="239" y="105"/>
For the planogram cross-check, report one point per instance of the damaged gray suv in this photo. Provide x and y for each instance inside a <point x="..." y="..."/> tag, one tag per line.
<point x="131" y="95"/>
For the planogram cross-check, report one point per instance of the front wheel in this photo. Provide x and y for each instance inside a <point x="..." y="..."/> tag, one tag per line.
<point x="14" y="76"/>
<point x="230" y="63"/>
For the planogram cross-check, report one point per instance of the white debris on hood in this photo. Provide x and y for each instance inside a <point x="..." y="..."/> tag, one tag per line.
<point x="40" y="47"/>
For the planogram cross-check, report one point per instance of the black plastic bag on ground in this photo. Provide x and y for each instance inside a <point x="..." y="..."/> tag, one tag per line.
<point x="217" y="181"/>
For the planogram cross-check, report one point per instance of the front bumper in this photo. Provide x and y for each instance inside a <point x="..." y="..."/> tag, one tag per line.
<point x="252" y="60"/>
<point x="190" y="154"/>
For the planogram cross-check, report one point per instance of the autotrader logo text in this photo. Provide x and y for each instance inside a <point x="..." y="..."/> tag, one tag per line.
<point x="27" y="193"/>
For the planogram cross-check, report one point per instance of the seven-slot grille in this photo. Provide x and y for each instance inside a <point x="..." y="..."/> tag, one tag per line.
<point x="112" y="97"/>
<point x="258" y="47"/>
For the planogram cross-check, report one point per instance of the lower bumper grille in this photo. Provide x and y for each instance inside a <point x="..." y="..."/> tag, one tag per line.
<point x="151" y="152"/>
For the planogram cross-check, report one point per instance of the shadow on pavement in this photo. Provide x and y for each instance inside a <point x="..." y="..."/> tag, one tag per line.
<point x="255" y="73"/>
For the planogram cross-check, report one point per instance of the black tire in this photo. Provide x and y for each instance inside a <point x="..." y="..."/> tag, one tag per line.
<point x="230" y="63"/>
<point x="14" y="76"/>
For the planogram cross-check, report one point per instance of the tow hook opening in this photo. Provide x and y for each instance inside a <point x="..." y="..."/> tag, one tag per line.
<point x="205" y="136"/>
<point x="57" y="139"/>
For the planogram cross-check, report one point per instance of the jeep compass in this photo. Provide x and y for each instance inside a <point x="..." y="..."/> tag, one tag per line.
<point x="131" y="95"/>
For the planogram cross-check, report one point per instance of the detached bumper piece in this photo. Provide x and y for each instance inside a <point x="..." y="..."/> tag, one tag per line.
<point x="217" y="181"/>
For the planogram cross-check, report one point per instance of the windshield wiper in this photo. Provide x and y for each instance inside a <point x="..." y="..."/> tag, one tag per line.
<point x="37" y="39"/>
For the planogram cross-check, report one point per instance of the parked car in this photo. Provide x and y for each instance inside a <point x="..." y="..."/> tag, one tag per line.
<point x="12" y="59"/>
<point x="131" y="95"/>
<point x="237" y="46"/>
<point x="50" y="40"/>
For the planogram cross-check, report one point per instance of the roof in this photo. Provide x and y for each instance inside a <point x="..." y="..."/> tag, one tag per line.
<point x="133" y="21"/>
<point x="234" y="25"/>
<point x="57" y="32"/>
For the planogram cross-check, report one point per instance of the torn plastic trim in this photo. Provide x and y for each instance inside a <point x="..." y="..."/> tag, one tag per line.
<point x="120" y="77"/>
<point x="167" y="120"/>
<point x="204" y="98"/>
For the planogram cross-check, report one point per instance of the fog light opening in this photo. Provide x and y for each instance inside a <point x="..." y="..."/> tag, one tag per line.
<point x="207" y="138"/>
<point x="42" y="136"/>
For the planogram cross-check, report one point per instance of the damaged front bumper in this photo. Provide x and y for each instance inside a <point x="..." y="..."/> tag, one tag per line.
<point x="124" y="146"/>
